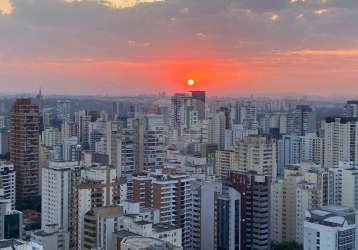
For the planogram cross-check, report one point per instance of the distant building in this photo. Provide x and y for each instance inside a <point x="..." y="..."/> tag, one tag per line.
<point x="304" y="118"/>
<point x="351" y="108"/>
<point x="199" y="103"/>
<point x="179" y="106"/>
<point x="4" y="142"/>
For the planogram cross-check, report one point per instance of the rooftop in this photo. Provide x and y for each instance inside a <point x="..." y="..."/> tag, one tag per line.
<point x="148" y="243"/>
<point x="332" y="216"/>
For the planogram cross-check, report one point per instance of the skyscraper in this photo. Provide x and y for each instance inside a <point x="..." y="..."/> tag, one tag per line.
<point x="24" y="150"/>
<point x="254" y="203"/>
<point x="199" y="103"/>
<point x="255" y="153"/>
<point x="351" y="108"/>
<point x="340" y="140"/>
<point x="179" y="106"/>
<point x="304" y="120"/>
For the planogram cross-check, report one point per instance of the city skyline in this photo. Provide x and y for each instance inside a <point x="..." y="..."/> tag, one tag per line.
<point x="235" y="48"/>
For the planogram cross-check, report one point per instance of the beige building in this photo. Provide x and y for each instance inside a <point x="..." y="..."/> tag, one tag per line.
<point x="303" y="187"/>
<point x="224" y="162"/>
<point x="258" y="154"/>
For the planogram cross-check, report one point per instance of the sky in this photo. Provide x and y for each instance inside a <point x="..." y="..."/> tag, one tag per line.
<point x="229" y="47"/>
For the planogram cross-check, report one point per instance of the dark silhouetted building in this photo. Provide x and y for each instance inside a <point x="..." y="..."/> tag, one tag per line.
<point x="24" y="151"/>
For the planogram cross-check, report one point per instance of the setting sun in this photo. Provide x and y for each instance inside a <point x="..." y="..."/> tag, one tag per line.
<point x="191" y="82"/>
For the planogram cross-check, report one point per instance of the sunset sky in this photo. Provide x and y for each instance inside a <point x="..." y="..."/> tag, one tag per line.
<point x="229" y="47"/>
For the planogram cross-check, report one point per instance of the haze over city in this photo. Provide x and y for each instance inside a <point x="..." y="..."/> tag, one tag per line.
<point x="178" y="125"/>
<point x="129" y="47"/>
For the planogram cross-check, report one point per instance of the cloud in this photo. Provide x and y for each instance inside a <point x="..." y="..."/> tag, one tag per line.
<point x="116" y="4"/>
<point x="320" y="53"/>
<point x="321" y="12"/>
<point x="6" y="7"/>
<point x="275" y="18"/>
<point x="81" y="32"/>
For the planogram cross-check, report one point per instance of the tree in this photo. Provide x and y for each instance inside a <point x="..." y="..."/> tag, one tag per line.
<point x="286" y="245"/>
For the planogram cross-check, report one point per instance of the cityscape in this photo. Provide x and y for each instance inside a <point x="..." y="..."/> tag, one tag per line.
<point x="178" y="125"/>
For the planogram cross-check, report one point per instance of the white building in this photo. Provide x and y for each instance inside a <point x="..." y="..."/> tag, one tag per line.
<point x="19" y="245"/>
<point x="7" y="180"/>
<point x="70" y="148"/>
<point x="340" y="140"/>
<point x="335" y="181"/>
<point x="51" y="238"/>
<point x="59" y="200"/>
<point x="56" y="194"/>
<point x="330" y="228"/>
<point x="50" y="137"/>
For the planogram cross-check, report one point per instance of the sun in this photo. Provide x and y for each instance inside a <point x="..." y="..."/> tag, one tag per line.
<point x="191" y="82"/>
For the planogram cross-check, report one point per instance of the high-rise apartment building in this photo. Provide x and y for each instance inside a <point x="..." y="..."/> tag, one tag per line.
<point x="11" y="221"/>
<point x="82" y="120"/>
<point x="98" y="187"/>
<point x="351" y="108"/>
<point x="288" y="152"/>
<point x="50" y="137"/>
<point x="218" y="124"/>
<point x="199" y="103"/>
<point x="248" y="116"/>
<point x="172" y="195"/>
<point x="254" y="208"/>
<point x="63" y="108"/>
<point x="59" y="200"/>
<point x="154" y="141"/>
<point x="4" y="141"/>
<point x="180" y="103"/>
<point x="304" y="186"/>
<point x="24" y="150"/>
<point x="340" y="140"/>
<point x="229" y="214"/>
<point x="312" y="148"/>
<point x="224" y="162"/>
<point x="8" y="182"/>
<point x="304" y="120"/>
<point x="205" y="226"/>
<point x="258" y="154"/>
